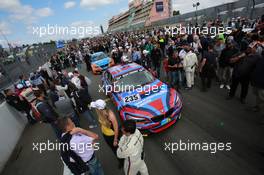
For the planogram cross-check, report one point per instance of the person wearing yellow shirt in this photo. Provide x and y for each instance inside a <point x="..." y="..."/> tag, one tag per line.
<point x="109" y="125"/>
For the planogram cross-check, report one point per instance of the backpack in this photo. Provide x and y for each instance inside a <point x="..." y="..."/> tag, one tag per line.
<point x="47" y="113"/>
<point x="78" y="166"/>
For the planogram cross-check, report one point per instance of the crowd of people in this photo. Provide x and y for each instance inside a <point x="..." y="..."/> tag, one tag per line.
<point x="63" y="97"/>
<point x="230" y="58"/>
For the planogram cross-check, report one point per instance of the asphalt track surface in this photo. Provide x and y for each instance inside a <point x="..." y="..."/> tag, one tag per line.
<point x="206" y="117"/>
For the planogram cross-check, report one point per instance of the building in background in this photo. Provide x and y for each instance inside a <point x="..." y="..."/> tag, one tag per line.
<point x="141" y="13"/>
<point x="151" y="13"/>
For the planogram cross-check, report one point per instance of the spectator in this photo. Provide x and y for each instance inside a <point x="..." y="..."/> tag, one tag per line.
<point x="146" y="61"/>
<point x="47" y="113"/>
<point x="207" y="68"/>
<point x="44" y="73"/>
<point x="23" y="80"/>
<point x="64" y="107"/>
<point x="225" y="66"/>
<point x="109" y="125"/>
<point x="126" y="57"/>
<point x="149" y="47"/>
<point x="80" y="81"/>
<point x="38" y="81"/>
<point x="53" y="94"/>
<point x="81" y="100"/>
<point x="166" y="68"/>
<point x="136" y="56"/>
<point x="219" y="46"/>
<point x="171" y="48"/>
<point x="244" y="65"/>
<point x="87" y="61"/>
<point x="156" y="56"/>
<point x="55" y="63"/>
<point x="19" y="104"/>
<point x="84" y="82"/>
<point x="59" y="87"/>
<point x="196" y="45"/>
<point x="257" y="82"/>
<point x="175" y="66"/>
<point x="82" y="159"/>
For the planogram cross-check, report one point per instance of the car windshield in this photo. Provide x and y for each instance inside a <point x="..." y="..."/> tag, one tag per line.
<point x="98" y="57"/>
<point x="132" y="78"/>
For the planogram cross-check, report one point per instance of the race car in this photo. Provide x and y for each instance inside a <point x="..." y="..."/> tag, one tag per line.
<point x="139" y="96"/>
<point x="100" y="62"/>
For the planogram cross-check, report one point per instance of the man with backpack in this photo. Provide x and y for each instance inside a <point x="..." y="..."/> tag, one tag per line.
<point x="77" y="149"/>
<point x="47" y="113"/>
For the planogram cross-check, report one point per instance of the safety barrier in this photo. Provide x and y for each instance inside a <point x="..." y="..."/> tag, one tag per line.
<point x="12" y="125"/>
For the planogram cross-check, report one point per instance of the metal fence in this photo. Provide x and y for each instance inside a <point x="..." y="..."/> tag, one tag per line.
<point x="11" y="72"/>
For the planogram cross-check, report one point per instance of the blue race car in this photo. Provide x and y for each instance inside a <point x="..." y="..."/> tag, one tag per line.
<point x="100" y="62"/>
<point x="139" y="96"/>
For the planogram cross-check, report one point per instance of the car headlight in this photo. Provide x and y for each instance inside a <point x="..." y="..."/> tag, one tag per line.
<point x="137" y="119"/>
<point x="95" y="66"/>
<point x="177" y="99"/>
<point x="111" y="62"/>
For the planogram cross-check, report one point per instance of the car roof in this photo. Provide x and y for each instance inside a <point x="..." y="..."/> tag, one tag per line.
<point x="121" y="69"/>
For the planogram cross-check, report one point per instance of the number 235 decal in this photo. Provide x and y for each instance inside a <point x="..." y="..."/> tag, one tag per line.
<point x="131" y="98"/>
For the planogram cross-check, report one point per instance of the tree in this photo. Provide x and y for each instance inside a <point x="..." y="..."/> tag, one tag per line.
<point x="175" y="12"/>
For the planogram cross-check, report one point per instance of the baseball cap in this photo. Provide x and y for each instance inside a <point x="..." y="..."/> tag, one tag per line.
<point x="98" y="104"/>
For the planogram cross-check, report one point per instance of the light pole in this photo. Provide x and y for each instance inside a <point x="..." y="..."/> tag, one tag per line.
<point x="196" y="8"/>
<point x="9" y="45"/>
<point x="2" y="67"/>
<point x="253" y="9"/>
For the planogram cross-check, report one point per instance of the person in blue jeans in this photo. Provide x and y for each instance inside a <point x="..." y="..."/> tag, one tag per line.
<point x="79" y="159"/>
<point x="175" y="67"/>
<point x="81" y="100"/>
<point x="65" y="108"/>
<point x="156" y="58"/>
<point x="95" y="168"/>
<point x="90" y="118"/>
